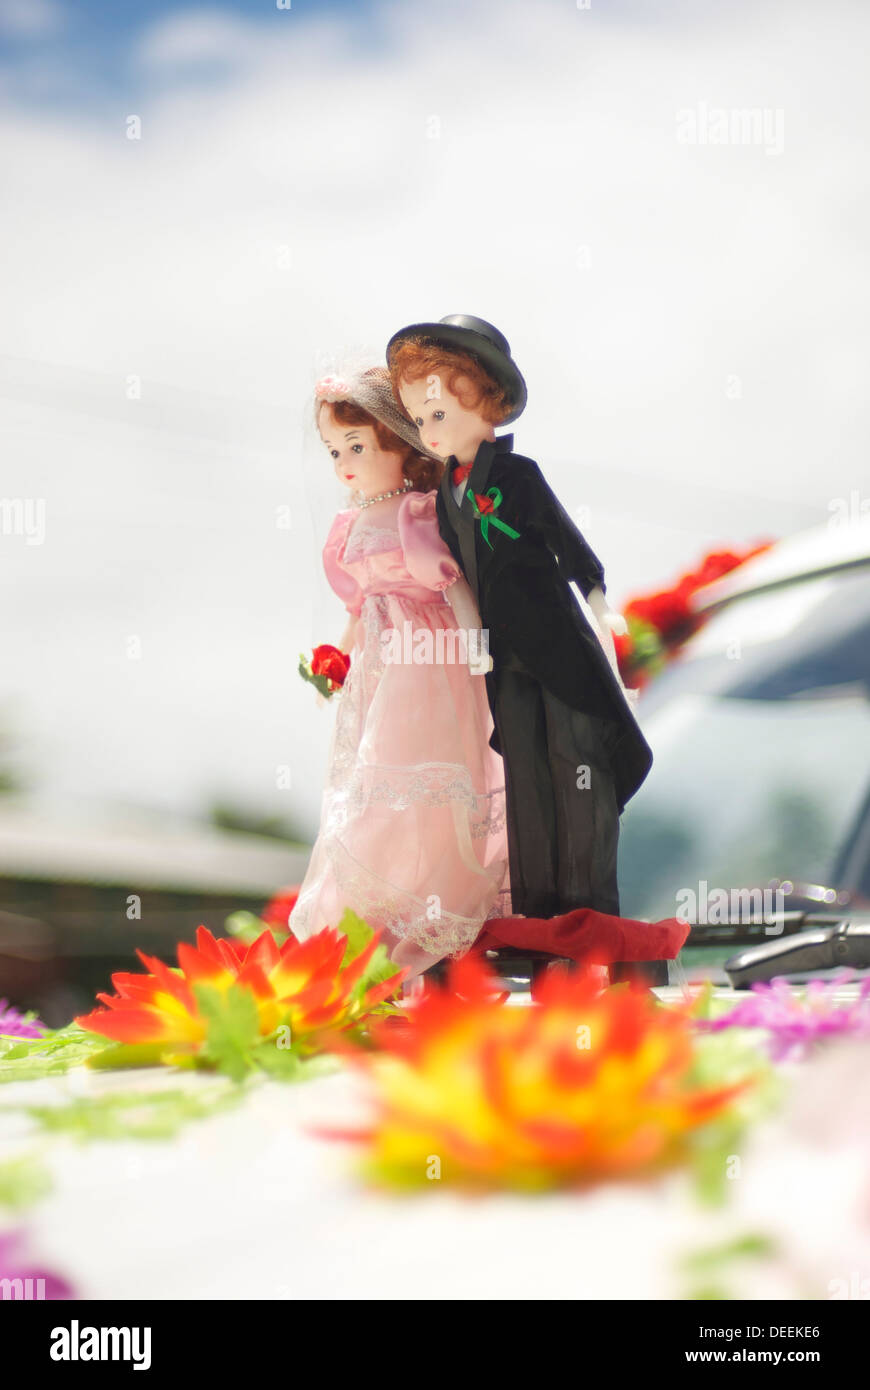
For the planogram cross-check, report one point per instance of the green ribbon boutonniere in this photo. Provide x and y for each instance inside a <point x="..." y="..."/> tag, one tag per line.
<point x="485" y="507"/>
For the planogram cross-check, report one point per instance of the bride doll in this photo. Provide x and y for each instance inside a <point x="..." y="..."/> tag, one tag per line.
<point x="412" y="834"/>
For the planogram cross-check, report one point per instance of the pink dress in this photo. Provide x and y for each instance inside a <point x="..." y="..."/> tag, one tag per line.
<point x="412" y="832"/>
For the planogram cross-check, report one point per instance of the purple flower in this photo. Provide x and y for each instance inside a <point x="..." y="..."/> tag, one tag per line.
<point x="796" y="1020"/>
<point x="14" y="1023"/>
<point x="28" y="1281"/>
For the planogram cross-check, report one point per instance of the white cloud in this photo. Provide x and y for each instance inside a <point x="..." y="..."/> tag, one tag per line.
<point x="302" y="204"/>
<point x="190" y="37"/>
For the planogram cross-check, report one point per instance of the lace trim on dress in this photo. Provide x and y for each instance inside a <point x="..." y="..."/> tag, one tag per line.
<point x="426" y="784"/>
<point x="387" y="909"/>
<point x="399" y="912"/>
<point x="381" y="537"/>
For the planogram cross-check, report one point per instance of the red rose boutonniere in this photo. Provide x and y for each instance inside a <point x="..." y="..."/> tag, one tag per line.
<point x="327" y="670"/>
<point x="486" y="505"/>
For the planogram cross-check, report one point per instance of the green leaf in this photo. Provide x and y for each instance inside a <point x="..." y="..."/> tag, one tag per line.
<point x="29" y="1059"/>
<point x="379" y="968"/>
<point x="51" y="1041"/>
<point x="320" y="683"/>
<point x="286" y="1064"/>
<point x="129" y="1055"/>
<point x="130" y="1114"/>
<point x="724" y="1059"/>
<point x="709" y="1149"/>
<point x="710" y="1270"/>
<point x="233" y="1028"/>
<point x="281" y="1063"/>
<point x="358" y="934"/>
<point x="22" y="1182"/>
<point x="702" y="1003"/>
<point x="246" y="925"/>
<point x="730" y="1056"/>
<point x="754" y="1244"/>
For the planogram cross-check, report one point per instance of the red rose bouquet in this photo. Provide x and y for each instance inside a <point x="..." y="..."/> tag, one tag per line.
<point x="326" y="670"/>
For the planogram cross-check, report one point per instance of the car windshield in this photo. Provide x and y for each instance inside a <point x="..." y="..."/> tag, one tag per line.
<point x="761" y="741"/>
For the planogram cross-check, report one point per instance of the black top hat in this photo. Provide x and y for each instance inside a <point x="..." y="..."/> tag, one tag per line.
<point x="483" y="341"/>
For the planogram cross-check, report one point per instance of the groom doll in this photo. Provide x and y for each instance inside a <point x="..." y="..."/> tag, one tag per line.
<point x="573" y="752"/>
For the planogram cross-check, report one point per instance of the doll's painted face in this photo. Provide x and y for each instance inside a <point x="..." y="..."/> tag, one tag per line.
<point x="360" y="462"/>
<point x="446" y="426"/>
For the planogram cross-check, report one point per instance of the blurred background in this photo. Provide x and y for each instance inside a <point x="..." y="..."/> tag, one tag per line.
<point x="664" y="206"/>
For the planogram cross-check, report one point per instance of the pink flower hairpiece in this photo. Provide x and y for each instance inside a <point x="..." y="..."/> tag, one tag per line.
<point x="331" y="388"/>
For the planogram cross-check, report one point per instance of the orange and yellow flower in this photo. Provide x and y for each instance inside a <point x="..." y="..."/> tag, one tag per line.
<point x="309" y="986"/>
<point x="582" y="1086"/>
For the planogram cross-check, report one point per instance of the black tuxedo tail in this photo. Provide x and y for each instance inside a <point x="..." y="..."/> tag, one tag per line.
<point x="573" y="751"/>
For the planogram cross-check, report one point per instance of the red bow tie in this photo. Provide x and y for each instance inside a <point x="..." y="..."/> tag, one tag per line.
<point x="460" y="473"/>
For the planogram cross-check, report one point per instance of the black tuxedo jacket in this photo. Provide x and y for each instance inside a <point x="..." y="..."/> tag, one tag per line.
<point x="523" y="594"/>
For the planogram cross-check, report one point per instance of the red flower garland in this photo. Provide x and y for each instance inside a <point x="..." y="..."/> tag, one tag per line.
<point x="659" y="623"/>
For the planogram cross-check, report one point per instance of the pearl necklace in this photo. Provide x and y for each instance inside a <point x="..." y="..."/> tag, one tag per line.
<point x="382" y="496"/>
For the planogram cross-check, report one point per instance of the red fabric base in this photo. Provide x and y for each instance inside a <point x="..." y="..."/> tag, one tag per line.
<point x="596" y="938"/>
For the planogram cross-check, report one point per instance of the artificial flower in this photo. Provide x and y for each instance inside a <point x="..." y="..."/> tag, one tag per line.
<point x="580" y="1087"/>
<point x="486" y="507"/>
<point x="798" y="1019"/>
<point x="229" y="996"/>
<point x="326" y="669"/>
<point x="17" y="1025"/>
<point x="278" y="908"/>
<point x="25" y="1278"/>
<point x="331" y="388"/>
<point x="330" y="662"/>
<point x="659" y="623"/>
<point x="247" y="926"/>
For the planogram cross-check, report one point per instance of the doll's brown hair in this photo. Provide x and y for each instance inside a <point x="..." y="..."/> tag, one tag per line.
<point x="414" y="358"/>
<point x="425" y="473"/>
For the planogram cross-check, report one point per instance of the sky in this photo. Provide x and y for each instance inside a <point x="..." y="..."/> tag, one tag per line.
<point x="203" y="205"/>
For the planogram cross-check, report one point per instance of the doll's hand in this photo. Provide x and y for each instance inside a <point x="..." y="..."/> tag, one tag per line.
<point x="480" y="664"/>
<point x="615" y="621"/>
<point x="607" y="619"/>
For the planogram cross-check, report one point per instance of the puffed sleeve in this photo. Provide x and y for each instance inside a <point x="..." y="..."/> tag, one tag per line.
<point x="427" y="558"/>
<point x="340" y="580"/>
